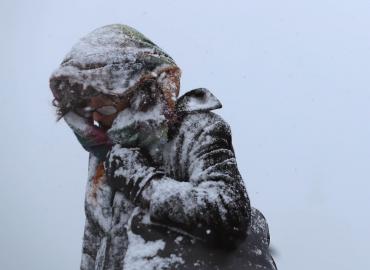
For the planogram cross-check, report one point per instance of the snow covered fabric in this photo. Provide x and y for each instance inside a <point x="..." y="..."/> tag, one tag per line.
<point x="128" y="172"/>
<point x="112" y="59"/>
<point x="176" y="251"/>
<point x="197" y="190"/>
<point x="116" y="60"/>
<point x="197" y="187"/>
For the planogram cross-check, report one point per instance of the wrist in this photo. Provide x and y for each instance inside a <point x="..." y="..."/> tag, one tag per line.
<point x="146" y="194"/>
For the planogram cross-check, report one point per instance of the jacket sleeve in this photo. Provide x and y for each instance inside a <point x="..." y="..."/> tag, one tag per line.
<point x="213" y="203"/>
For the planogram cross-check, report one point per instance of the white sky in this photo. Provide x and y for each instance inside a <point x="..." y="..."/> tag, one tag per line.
<point x="293" y="77"/>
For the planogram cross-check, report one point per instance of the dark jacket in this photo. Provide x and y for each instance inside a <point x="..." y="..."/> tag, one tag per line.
<point x="197" y="189"/>
<point x="156" y="209"/>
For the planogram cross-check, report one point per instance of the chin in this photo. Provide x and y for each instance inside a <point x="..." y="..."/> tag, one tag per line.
<point x="104" y="127"/>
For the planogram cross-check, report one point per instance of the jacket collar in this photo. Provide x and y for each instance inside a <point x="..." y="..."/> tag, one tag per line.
<point x="197" y="100"/>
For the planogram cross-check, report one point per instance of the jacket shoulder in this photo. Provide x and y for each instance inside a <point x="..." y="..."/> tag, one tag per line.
<point x="206" y="121"/>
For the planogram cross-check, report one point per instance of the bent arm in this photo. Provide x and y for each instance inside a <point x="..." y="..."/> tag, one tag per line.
<point x="212" y="204"/>
<point x="211" y="210"/>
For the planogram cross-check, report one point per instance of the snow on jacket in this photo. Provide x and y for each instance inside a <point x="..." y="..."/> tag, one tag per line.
<point x="197" y="191"/>
<point x="189" y="184"/>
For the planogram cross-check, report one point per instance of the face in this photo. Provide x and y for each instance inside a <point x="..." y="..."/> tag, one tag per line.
<point x="141" y="100"/>
<point x="105" y="121"/>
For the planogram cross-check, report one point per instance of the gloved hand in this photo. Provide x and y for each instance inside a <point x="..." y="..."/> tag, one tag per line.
<point x="128" y="171"/>
<point x="147" y="130"/>
<point x="92" y="138"/>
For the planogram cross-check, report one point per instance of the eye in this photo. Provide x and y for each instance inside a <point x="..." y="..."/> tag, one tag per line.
<point x="107" y="110"/>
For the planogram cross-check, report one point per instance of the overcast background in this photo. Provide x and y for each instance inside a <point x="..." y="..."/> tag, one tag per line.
<point x="293" y="77"/>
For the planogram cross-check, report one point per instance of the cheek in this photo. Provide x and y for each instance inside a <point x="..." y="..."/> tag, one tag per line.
<point x="96" y="116"/>
<point x="109" y="119"/>
<point x="106" y="120"/>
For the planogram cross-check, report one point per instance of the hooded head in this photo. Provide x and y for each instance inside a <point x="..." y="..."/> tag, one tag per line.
<point x="117" y="62"/>
<point x="114" y="60"/>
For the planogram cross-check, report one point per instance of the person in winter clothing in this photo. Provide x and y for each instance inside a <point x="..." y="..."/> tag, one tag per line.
<point x="162" y="168"/>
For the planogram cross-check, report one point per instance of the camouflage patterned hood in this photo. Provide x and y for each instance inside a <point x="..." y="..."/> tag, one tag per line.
<point x="110" y="60"/>
<point x="114" y="60"/>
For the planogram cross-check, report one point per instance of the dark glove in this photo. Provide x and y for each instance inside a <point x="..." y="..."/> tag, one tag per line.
<point x="139" y="129"/>
<point x="128" y="171"/>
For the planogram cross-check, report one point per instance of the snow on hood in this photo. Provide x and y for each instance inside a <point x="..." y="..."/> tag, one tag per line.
<point x="114" y="60"/>
<point x="111" y="60"/>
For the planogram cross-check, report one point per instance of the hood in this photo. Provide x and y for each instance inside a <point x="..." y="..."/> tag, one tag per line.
<point x="110" y="60"/>
<point x="114" y="60"/>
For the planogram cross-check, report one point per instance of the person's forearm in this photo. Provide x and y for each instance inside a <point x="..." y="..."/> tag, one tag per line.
<point x="212" y="210"/>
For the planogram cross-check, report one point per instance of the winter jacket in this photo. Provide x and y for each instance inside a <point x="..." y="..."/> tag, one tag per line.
<point x="197" y="189"/>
